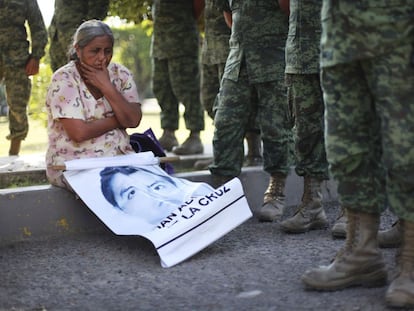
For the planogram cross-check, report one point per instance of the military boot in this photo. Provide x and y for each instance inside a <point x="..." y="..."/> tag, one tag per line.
<point x="219" y="180"/>
<point x="358" y="263"/>
<point x="192" y="145"/>
<point x="400" y="293"/>
<point x="338" y="230"/>
<point x="14" y="146"/>
<point x="310" y="214"/>
<point x="254" y="149"/>
<point x="392" y="237"/>
<point x="168" y="140"/>
<point x="274" y="199"/>
<point x="203" y="164"/>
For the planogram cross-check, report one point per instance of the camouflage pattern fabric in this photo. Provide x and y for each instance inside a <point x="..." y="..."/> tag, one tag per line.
<point x="176" y="74"/>
<point x="14" y="54"/>
<point x="175" y="29"/>
<point x="304" y="90"/>
<point x="255" y="67"/>
<point x="68" y="15"/>
<point x="209" y="85"/>
<point x="304" y="36"/>
<point x="214" y="52"/>
<point x="367" y="79"/>
<point x="176" y="80"/>
<point x="306" y="100"/>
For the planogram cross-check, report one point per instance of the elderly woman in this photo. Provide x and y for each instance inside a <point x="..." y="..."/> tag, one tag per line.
<point x="90" y="102"/>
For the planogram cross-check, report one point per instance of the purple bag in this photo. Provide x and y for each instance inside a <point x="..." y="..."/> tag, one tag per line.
<point x="148" y="142"/>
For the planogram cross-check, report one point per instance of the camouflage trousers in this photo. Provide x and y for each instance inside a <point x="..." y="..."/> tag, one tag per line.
<point x="233" y="112"/>
<point x="60" y="42"/>
<point x="177" y="80"/>
<point x="370" y="131"/>
<point x="18" y="88"/>
<point x="307" y="110"/>
<point x="210" y="85"/>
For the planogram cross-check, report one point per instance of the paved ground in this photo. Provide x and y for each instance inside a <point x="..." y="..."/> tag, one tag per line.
<point x="254" y="267"/>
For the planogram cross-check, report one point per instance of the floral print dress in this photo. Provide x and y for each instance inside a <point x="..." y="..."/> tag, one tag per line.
<point x="69" y="97"/>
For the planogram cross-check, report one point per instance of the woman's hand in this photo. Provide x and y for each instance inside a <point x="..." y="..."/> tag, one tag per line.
<point x="97" y="77"/>
<point x="98" y="82"/>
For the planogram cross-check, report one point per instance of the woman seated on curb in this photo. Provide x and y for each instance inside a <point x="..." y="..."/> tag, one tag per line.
<point x="90" y="103"/>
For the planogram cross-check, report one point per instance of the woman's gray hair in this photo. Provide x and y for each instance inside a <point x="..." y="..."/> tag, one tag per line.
<point x="86" y="32"/>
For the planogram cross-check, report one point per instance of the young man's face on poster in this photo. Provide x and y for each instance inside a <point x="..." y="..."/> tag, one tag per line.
<point x="146" y="195"/>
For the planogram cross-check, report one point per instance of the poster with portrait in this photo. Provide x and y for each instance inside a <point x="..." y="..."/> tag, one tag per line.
<point x="132" y="195"/>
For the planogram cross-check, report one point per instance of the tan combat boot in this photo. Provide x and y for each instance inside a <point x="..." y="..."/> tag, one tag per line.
<point x="400" y="293"/>
<point x="338" y="230"/>
<point x="358" y="263"/>
<point x="274" y="199"/>
<point x="392" y="237"/>
<point x="14" y="146"/>
<point x="192" y="145"/>
<point x="254" y="149"/>
<point x="310" y="214"/>
<point x="168" y="140"/>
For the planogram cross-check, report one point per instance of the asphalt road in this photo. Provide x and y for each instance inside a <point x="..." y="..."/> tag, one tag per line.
<point x="254" y="267"/>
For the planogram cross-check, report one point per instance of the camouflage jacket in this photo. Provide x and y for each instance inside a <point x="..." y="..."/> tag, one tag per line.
<point x="302" y="44"/>
<point x="215" y="47"/>
<point x="175" y="29"/>
<point x="258" y="37"/>
<point x="353" y="30"/>
<point x="69" y="14"/>
<point x="14" y="45"/>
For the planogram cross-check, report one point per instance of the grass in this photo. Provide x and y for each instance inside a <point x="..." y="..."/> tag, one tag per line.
<point x="36" y="141"/>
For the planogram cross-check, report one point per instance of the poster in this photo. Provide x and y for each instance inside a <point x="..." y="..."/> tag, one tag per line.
<point x="132" y="195"/>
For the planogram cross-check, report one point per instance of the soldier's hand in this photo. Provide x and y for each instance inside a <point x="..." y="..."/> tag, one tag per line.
<point x="32" y="66"/>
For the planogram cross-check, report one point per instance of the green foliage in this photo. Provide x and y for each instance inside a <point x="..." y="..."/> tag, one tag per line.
<point x="132" y="10"/>
<point x="131" y="49"/>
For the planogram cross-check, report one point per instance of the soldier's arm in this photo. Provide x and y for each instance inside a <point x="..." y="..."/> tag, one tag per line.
<point x="38" y="37"/>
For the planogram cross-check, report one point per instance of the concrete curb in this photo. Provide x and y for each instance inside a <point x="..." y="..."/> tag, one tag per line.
<point x="39" y="211"/>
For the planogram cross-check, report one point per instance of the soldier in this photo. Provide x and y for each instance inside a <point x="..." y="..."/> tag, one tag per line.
<point x="306" y="101"/>
<point x="255" y="67"/>
<point x="68" y="15"/>
<point x="17" y="63"/>
<point x="176" y="77"/>
<point x="214" y="52"/>
<point x="367" y="64"/>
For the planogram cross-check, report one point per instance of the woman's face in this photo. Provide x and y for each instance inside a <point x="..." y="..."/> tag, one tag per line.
<point x="146" y="195"/>
<point x="97" y="53"/>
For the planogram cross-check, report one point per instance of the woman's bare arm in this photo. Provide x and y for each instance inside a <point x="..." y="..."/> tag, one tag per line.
<point x="128" y="114"/>
<point x="80" y="130"/>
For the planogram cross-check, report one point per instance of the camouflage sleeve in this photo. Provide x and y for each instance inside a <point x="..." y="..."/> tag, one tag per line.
<point x="222" y="5"/>
<point x="38" y="32"/>
<point x="97" y="9"/>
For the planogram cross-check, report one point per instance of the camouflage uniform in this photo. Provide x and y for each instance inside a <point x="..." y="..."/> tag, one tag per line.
<point x="175" y="52"/>
<point x="214" y="53"/>
<point x="68" y="15"/>
<point x="15" y="52"/>
<point x="367" y="79"/>
<point x="367" y="61"/>
<point x="304" y="90"/>
<point x="255" y="67"/>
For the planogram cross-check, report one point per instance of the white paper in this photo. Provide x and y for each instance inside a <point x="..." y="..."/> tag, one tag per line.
<point x="178" y="216"/>
<point x="141" y="158"/>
